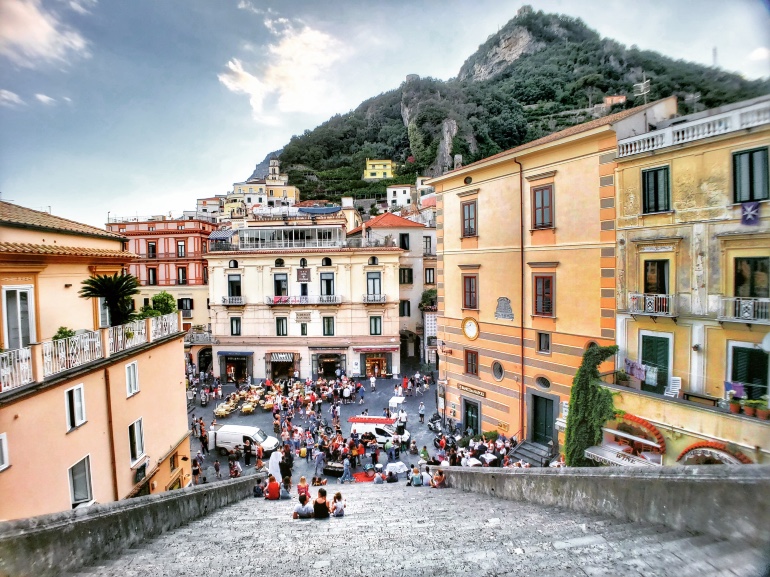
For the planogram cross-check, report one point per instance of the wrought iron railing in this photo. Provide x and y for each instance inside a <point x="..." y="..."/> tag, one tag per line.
<point x="745" y="310"/>
<point x="374" y="299"/>
<point x="196" y="338"/>
<point x="233" y="301"/>
<point x="128" y="336"/>
<point x="64" y="354"/>
<point x="164" y="325"/>
<point x="652" y="304"/>
<point x="15" y="369"/>
<point x="303" y="300"/>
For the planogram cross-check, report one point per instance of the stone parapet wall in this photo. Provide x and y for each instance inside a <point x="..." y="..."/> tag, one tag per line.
<point x="721" y="500"/>
<point x="49" y="545"/>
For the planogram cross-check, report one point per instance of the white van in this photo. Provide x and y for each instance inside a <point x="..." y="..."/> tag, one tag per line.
<point x="382" y="428"/>
<point x="227" y="437"/>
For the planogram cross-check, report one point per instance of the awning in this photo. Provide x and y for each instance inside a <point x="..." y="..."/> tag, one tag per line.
<point x="234" y="353"/>
<point x="630" y="437"/>
<point x="319" y="209"/>
<point x="282" y="357"/>
<point x="611" y="456"/>
<point x="376" y="349"/>
<point x="221" y="234"/>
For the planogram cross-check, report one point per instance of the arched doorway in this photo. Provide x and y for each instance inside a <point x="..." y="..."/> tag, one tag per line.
<point x="205" y="359"/>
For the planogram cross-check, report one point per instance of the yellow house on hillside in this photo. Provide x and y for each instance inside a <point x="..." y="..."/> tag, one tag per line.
<point x="378" y="169"/>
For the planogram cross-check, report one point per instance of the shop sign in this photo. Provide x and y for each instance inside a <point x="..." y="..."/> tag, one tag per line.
<point x="472" y="391"/>
<point x="303" y="275"/>
<point x="303" y="317"/>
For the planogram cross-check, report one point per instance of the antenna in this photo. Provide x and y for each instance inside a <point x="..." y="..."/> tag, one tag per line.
<point x="714" y="56"/>
<point x="642" y="88"/>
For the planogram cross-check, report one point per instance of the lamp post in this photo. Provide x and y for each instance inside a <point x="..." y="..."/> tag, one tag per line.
<point x="442" y="383"/>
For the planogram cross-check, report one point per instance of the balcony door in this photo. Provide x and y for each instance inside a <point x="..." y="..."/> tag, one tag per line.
<point x="327" y="284"/>
<point x="281" y="285"/>
<point x="373" y="283"/>
<point x="19" y="318"/>
<point x="656" y="356"/>
<point x="751" y="277"/>
<point x="656" y="277"/>
<point x="233" y="285"/>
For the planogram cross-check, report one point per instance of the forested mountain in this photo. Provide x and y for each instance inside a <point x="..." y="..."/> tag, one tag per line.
<point x="540" y="73"/>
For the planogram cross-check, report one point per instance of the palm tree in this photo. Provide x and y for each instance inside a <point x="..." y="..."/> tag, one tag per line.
<point x="116" y="290"/>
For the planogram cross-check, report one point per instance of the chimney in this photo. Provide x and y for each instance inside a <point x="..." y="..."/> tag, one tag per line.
<point x="458" y="161"/>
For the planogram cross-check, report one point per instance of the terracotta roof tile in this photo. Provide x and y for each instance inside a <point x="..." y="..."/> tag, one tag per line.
<point x="54" y="250"/>
<point x="15" y="215"/>
<point x="387" y="220"/>
<point x="428" y="202"/>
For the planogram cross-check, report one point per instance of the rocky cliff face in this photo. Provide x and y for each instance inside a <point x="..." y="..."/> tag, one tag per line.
<point x="507" y="46"/>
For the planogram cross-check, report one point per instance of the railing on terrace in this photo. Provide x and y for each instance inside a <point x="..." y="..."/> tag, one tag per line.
<point x="64" y="354"/>
<point x="229" y="301"/>
<point x="170" y="255"/>
<point x="128" y="336"/>
<point x="196" y="338"/>
<point x="173" y="282"/>
<point x="215" y="246"/>
<point x="164" y="325"/>
<point x="374" y="299"/>
<point x="697" y="129"/>
<point x="303" y="300"/>
<point x="652" y="304"/>
<point x="744" y="310"/>
<point x="15" y="369"/>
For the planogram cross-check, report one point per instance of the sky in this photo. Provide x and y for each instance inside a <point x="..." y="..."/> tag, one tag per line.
<point x="139" y="107"/>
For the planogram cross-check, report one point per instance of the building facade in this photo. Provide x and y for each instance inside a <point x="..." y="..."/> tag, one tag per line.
<point x="107" y="404"/>
<point x="377" y="169"/>
<point x="297" y="295"/>
<point x="172" y="258"/>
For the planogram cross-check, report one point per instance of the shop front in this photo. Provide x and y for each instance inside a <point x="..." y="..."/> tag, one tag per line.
<point x="376" y="361"/>
<point x="281" y="365"/>
<point x="235" y="366"/>
<point x="325" y="362"/>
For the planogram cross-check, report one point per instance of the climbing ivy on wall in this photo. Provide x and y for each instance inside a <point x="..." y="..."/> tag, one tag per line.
<point x="590" y="407"/>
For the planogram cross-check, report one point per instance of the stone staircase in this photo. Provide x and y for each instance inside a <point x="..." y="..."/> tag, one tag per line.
<point x="535" y="454"/>
<point x="393" y="530"/>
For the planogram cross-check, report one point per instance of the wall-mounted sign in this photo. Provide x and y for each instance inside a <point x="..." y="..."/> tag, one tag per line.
<point x="303" y="317"/>
<point x="502" y="425"/>
<point x="303" y="275"/>
<point x="504" y="310"/>
<point x="472" y="391"/>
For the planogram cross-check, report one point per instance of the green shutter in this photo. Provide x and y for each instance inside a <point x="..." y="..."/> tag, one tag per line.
<point x="655" y="353"/>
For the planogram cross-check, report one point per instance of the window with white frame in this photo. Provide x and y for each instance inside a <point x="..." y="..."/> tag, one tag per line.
<point x="5" y="461"/>
<point x="19" y="316"/>
<point x="136" y="440"/>
<point x="132" y="379"/>
<point x="80" y="482"/>
<point x="75" y="402"/>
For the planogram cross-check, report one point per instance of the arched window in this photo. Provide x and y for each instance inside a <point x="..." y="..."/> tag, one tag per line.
<point x="543" y="383"/>
<point x="373" y="260"/>
<point x="279" y="262"/>
<point x="303" y="262"/>
<point x="326" y="261"/>
<point x="591" y="345"/>
<point x="233" y="264"/>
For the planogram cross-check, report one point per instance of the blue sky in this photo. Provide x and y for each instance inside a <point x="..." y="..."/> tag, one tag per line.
<point x="139" y="107"/>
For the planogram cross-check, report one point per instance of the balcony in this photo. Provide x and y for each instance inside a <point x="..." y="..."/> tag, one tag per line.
<point x="170" y="255"/>
<point x="653" y="305"/>
<point x="64" y="354"/>
<point x="174" y="282"/>
<point x="217" y="246"/>
<point x="196" y="338"/>
<point x="187" y="313"/>
<point x="744" y="310"/>
<point x="697" y="129"/>
<point x="373" y="299"/>
<point x="233" y="301"/>
<point x="303" y="300"/>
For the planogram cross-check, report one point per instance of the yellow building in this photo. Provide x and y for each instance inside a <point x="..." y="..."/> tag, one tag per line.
<point x="95" y="417"/>
<point x="526" y="270"/>
<point x="693" y="260"/>
<point x="378" y="169"/>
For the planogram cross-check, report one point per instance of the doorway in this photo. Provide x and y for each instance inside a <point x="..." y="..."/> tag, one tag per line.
<point x="205" y="359"/>
<point x="542" y="420"/>
<point x="376" y="366"/>
<point x="471" y="417"/>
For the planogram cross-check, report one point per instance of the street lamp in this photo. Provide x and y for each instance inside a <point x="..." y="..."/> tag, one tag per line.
<point x="442" y="384"/>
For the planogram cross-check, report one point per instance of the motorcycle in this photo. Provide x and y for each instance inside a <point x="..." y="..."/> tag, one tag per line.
<point x="325" y="426"/>
<point x="434" y="423"/>
<point x="451" y="440"/>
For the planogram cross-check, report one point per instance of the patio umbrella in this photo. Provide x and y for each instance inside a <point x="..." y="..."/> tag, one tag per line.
<point x="488" y="457"/>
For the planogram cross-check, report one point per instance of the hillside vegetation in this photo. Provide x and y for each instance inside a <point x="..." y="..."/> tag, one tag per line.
<point x="540" y="73"/>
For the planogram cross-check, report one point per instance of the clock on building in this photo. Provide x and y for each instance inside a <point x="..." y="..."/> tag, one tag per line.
<point x="470" y="328"/>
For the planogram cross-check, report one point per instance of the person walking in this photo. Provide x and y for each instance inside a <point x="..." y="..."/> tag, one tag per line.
<point x="346" y="474"/>
<point x="320" y="462"/>
<point x="421" y="412"/>
<point x="373" y="382"/>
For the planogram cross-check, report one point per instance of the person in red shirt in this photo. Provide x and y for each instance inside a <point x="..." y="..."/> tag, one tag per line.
<point x="273" y="490"/>
<point x="442" y="443"/>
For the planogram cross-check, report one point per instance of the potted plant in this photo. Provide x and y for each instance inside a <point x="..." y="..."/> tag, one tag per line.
<point x="750" y="407"/>
<point x="735" y="402"/>
<point x="622" y="378"/>
<point x="763" y="412"/>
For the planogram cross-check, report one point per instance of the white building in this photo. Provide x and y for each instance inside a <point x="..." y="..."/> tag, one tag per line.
<point x="399" y="195"/>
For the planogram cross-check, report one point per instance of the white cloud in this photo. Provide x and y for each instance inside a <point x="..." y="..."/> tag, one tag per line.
<point x="10" y="99"/>
<point x="248" y="6"/>
<point x="30" y="35"/>
<point x="237" y="80"/>
<point x="83" y="6"/>
<point x="759" y="54"/>
<point x="47" y="100"/>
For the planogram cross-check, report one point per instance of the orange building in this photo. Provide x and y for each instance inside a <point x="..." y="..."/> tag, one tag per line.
<point x="526" y="271"/>
<point x="95" y="417"/>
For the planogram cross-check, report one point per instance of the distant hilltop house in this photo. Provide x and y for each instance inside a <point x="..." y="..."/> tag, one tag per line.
<point x="378" y="169"/>
<point x="273" y="190"/>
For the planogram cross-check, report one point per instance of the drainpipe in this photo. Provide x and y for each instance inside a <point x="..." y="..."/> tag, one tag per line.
<point x="111" y="435"/>
<point x="521" y="294"/>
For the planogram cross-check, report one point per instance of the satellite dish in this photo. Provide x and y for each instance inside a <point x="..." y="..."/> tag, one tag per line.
<point x="766" y="343"/>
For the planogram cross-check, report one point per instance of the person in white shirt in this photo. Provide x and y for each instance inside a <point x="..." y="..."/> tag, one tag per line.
<point x="373" y="381"/>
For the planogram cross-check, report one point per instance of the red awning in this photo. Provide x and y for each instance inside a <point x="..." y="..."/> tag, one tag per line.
<point x="376" y="349"/>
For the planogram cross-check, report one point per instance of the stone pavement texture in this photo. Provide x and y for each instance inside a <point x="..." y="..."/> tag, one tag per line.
<point x="393" y="530"/>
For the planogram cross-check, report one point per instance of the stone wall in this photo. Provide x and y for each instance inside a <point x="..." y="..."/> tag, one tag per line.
<point x="52" y="544"/>
<point x="721" y="500"/>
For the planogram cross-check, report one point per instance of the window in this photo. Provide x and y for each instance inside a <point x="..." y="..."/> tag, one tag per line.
<point x="279" y="263"/>
<point x="656" y="277"/>
<point x="174" y="462"/>
<point x="373" y="260"/>
<point x="181" y="275"/>
<point x="471" y="362"/>
<point x="469" y="218"/>
<point x="281" y="285"/>
<point x="233" y="285"/>
<point x="427" y="245"/>
<point x="542" y="207"/>
<point x="136" y="440"/>
<point x="80" y="482"/>
<point x="5" y="460"/>
<point x="132" y="379"/>
<point x="543" y="342"/>
<point x="152" y="250"/>
<point x="205" y="273"/>
<point x="543" y="383"/>
<point x="151" y="228"/>
<point x="749" y="367"/>
<point x="497" y="371"/>
<point x="373" y="283"/>
<point x="104" y="313"/>
<point x="655" y="190"/>
<point x="405" y="276"/>
<point x="146" y="301"/>
<point x="75" y="407"/>
<point x="403" y="240"/>
<point x="281" y="326"/>
<point x="180" y="249"/>
<point x="372" y="174"/>
<point x="750" y="174"/>
<point x="655" y="355"/>
<point x="751" y="277"/>
<point x="303" y="329"/>
<point x="152" y="276"/>
<point x="19" y="317"/>
<point x="470" y="291"/>
<point x="544" y="295"/>
<point x="375" y="325"/>
<point x="303" y="262"/>
<point x="430" y="276"/>
<point x="232" y="264"/>
<point x="327" y="283"/>
<point x="326" y="261"/>
<point x="235" y="326"/>
<point x="404" y="308"/>
<point x="328" y="326"/>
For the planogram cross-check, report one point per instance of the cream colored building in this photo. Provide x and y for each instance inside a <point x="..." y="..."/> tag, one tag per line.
<point x="96" y="417"/>
<point x="297" y="295"/>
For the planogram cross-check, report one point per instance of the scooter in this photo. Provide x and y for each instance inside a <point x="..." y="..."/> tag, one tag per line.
<point x="434" y="423"/>
<point x="451" y="440"/>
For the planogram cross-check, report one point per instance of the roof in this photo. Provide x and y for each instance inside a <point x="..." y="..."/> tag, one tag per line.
<point x="20" y="216"/>
<point x="567" y="132"/>
<point x="428" y="202"/>
<point x="387" y="220"/>
<point x="54" y="249"/>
